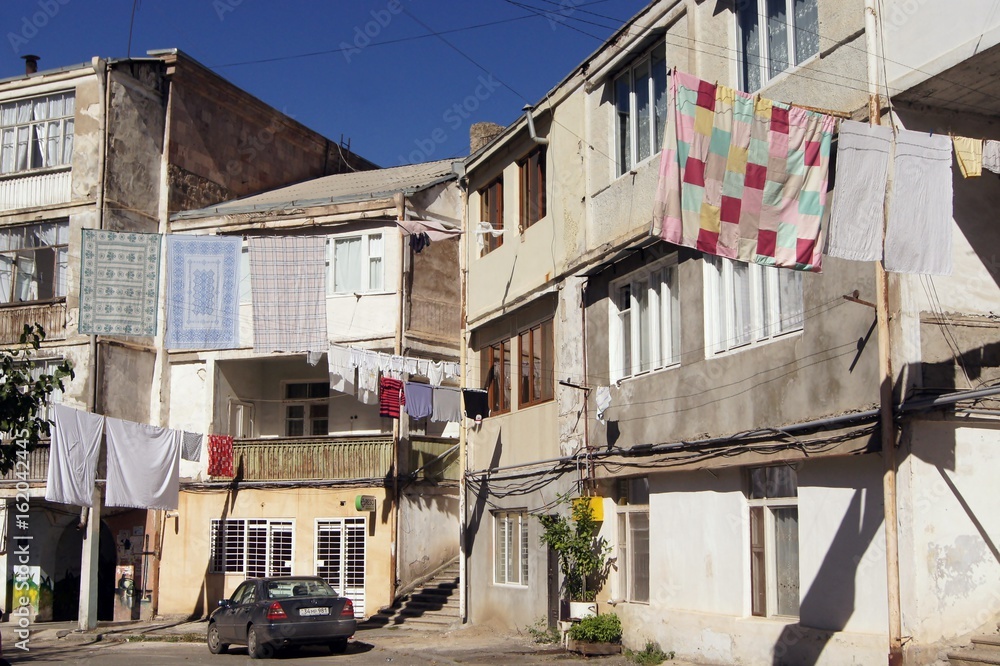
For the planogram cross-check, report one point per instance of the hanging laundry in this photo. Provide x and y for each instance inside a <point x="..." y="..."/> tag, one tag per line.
<point x="435" y="231"/>
<point x="410" y="365"/>
<point x="447" y="404"/>
<point x="390" y="395"/>
<point x="919" y="231"/>
<point x="419" y="399"/>
<point x="288" y="285"/>
<point x="220" y="456"/>
<point x="969" y="154"/>
<point x="451" y="369"/>
<point x="435" y="372"/>
<point x="858" y="208"/>
<point x="73" y="456"/>
<point x="384" y="362"/>
<point x="603" y="401"/>
<point x="422" y="366"/>
<point x="341" y="365"/>
<point x="314" y="357"/>
<point x="991" y="156"/>
<point x="119" y="282"/>
<point x="368" y="377"/>
<point x="742" y="177"/>
<point x="191" y="446"/>
<point x="143" y="465"/>
<point x="396" y="364"/>
<point x="203" y="292"/>
<point x="419" y="241"/>
<point x="477" y="403"/>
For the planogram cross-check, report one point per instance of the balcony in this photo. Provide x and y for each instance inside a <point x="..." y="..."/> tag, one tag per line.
<point x="304" y="459"/>
<point x="38" y="467"/>
<point x="435" y="458"/>
<point x="52" y="317"/>
<point x="39" y="188"/>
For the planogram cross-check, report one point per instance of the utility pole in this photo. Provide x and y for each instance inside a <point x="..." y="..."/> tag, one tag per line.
<point x="886" y="416"/>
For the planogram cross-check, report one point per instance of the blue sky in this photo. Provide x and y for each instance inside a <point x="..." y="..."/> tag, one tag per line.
<point x="371" y="71"/>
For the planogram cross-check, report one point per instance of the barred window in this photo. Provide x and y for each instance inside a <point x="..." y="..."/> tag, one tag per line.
<point x="254" y="547"/>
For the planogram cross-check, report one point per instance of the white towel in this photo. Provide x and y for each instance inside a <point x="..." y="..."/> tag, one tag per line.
<point x="422" y="364"/>
<point x="991" y="156"/>
<point x="396" y="364"/>
<point x="857" y="213"/>
<point x="451" y="370"/>
<point x="368" y="378"/>
<point x="410" y="365"/>
<point x="191" y="446"/>
<point x="143" y="465"/>
<point x="341" y="364"/>
<point x="918" y="236"/>
<point x="73" y="454"/>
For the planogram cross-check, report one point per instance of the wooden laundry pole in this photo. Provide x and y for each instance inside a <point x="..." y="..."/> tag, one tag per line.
<point x="886" y="415"/>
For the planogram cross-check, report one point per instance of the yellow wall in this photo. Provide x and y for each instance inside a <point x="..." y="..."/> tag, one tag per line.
<point x="187" y="589"/>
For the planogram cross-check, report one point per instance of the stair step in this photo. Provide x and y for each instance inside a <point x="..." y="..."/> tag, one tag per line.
<point x="974" y="657"/>
<point x="987" y="640"/>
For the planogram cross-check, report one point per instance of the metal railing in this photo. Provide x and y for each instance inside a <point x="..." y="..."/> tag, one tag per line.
<point x="52" y="317"/>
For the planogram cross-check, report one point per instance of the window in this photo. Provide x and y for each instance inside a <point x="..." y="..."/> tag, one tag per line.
<point x="633" y="540"/>
<point x="34" y="262"/>
<point x="252" y="547"/>
<point x="774" y="35"/>
<point x="645" y="320"/>
<point x="774" y="541"/>
<point x="640" y="95"/>
<point x="748" y="303"/>
<point x="340" y="557"/>
<point x="36" y="133"/>
<point x="537" y="370"/>
<point x="510" y="548"/>
<point x="532" y="175"/>
<point x="356" y="264"/>
<point x="496" y="373"/>
<point x="312" y="415"/>
<point x="491" y="210"/>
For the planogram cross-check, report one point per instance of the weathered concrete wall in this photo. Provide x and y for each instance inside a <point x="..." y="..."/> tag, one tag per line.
<point x="190" y="591"/>
<point x="428" y="530"/>
<point x="126" y="376"/>
<point x="435" y="302"/>
<point x="948" y="530"/>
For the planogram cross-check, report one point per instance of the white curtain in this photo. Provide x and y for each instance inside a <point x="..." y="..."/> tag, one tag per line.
<point x="347" y="265"/>
<point x="375" y="263"/>
<point x="6" y="277"/>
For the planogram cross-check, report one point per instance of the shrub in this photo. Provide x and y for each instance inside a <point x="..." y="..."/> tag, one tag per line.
<point x="649" y="655"/>
<point x="542" y="633"/>
<point x="602" y="628"/>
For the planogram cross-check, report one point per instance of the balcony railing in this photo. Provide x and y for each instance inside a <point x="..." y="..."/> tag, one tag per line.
<point x="52" y="317"/>
<point x="298" y="459"/>
<point x="38" y="466"/>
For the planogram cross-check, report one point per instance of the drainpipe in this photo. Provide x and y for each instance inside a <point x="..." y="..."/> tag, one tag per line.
<point x="92" y="524"/>
<point x="888" y="433"/>
<point x="463" y="259"/>
<point x="396" y="425"/>
<point x="531" y="127"/>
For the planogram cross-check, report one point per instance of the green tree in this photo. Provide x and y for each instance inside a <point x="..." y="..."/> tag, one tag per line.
<point x="24" y="394"/>
<point x="583" y="556"/>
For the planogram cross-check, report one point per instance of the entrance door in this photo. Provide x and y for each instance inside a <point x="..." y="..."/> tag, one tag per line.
<point x="340" y="557"/>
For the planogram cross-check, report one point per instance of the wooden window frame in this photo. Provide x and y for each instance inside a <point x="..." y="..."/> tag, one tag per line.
<point x="491" y="210"/>
<point x="499" y="400"/>
<point x="526" y="352"/>
<point x="531" y="173"/>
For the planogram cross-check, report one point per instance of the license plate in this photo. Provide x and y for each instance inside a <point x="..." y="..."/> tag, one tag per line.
<point x="314" y="611"/>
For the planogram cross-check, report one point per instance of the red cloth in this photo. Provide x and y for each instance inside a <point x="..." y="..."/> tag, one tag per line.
<point x="220" y="455"/>
<point x="390" y="397"/>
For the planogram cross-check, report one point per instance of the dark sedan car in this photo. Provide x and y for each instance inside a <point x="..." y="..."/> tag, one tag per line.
<point x="269" y="613"/>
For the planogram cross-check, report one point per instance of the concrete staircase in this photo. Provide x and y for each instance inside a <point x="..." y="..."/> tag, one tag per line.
<point x="985" y="649"/>
<point x="433" y="605"/>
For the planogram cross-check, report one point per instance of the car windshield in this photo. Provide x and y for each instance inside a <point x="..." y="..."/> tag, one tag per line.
<point x="298" y="587"/>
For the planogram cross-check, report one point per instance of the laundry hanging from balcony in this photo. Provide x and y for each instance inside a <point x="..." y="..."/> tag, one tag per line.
<point x="743" y="177"/>
<point x="203" y="290"/>
<point x="288" y="287"/>
<point x="143" y="465"/>
<point x="119" y="282"/>
<point x="73" y="456"/>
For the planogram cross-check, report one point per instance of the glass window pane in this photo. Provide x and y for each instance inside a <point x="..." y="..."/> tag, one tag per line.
<point x="68" y="129"/>
<point x="347" y="265"/>
<point x="296" y="391"/>
<point x="6" y="278"/>
<point x="750" y="46"/>
<point x="642" y="324"/>
<point x="786" y="558"/>
<point x="536" y="364"/>
<point x="548" y="373"/>
<point x="623" y="113"/>
<point x="659" y="75"/>
<point x="741" y="331"/>
<point x="672" y="316"/>
<point x="806" y="29"/>
<point x="639" y="531"/>
<point x="375" y="274"/>
<point x="523" y="520"/>
<point x="524" y="343"/>
<point x="625" y="319"/>
<point x="500" y="545"/>
<point x="758" y="566"/>
<point x="758" y="482"/>
<point x="782" y="481"/>
<point x="777" y="37"/>
<point x="643" y="110"/>
<point x="790" y="300"/>
<point x="505" y="389"/>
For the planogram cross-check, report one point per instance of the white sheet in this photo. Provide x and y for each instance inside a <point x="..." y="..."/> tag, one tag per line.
<point x="73" y="454"/>
<point x="143" y="465"/>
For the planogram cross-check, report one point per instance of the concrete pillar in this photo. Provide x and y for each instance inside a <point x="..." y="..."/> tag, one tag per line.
<point x="88" y="566"/>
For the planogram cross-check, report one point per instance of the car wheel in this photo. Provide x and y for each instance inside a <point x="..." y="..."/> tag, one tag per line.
<point x="215" y="644"/>
<point x="339" y="645"/>
<point x="255" y="648"/>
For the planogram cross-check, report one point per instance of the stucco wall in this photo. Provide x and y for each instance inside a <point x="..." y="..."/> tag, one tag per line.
<point x="428" y="530"/>
<point x="189" y="590"/>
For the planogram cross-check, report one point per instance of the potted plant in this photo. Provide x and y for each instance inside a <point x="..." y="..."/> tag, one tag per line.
<point x="583" y="556"/>
<point x="598" y="634"/>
